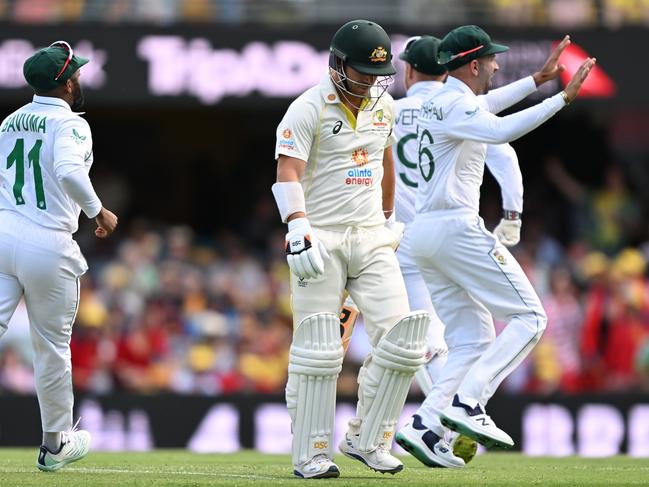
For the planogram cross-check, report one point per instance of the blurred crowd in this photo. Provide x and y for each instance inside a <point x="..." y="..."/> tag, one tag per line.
<point x="554" y="13"/>
<point x="163" y="309"/>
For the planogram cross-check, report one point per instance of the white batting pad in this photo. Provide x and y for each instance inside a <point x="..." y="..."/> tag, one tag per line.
<point x="424" y="380"/>
<point x="386" y="377"/>
<point x="315" y="360"/>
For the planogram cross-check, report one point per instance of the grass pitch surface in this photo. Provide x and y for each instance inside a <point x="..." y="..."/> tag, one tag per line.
<point x="179" y="468"/>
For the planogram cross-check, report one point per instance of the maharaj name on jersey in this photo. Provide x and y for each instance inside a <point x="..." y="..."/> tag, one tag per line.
<point x="24" y="122"/>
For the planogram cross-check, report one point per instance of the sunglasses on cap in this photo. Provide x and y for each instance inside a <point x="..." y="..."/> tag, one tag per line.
<point x="465" y="53"/>
<point x="67" y="46"/>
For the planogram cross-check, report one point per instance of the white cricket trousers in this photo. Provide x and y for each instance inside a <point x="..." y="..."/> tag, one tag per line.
<point x="419" y="298"/>
<point x="472" y="277"/>
<point x="44" y="266"/>
<point x="361" y="260"/>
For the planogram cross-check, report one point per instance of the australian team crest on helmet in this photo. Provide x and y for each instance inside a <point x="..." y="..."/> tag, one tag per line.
<point x="379" y="55"/>
<point x="360" y="156"/>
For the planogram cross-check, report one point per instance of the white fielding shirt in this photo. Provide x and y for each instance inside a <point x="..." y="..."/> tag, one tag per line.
<point x="455" y="127"/>
<point x="501" y="159"/>
<point x="45" y="147"/>
<point x="343" y="156"/>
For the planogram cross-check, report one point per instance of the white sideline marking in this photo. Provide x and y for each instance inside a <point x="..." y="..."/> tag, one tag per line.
<point x="148" y="472"/>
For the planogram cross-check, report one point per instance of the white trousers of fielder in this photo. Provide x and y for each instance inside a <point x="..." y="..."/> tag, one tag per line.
<point x="44" y="267"/>
<point x="473" y="278"/>
<point x="419" y="298"/>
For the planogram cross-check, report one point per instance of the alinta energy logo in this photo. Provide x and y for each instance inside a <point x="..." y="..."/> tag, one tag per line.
<point x="287" y="142"/>
<point x="360" y="176"/>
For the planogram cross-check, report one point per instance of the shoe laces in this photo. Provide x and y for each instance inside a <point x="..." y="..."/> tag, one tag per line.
<point x="320" y="458"/>
<point x="383" y="450"/>
<point x="66" y="436"/>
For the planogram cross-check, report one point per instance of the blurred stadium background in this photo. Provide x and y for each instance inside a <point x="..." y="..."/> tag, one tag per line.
<point x="183" y="331"/>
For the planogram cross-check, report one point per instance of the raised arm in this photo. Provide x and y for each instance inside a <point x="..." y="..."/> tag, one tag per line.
<point x="473" y="123"/>
<point x="502" y="98"/>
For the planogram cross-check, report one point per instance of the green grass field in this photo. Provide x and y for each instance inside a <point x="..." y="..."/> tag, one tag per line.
<point x="179" y="468"/>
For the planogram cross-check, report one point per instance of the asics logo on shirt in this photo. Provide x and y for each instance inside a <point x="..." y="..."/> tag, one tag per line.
<point x="337" y="127"/>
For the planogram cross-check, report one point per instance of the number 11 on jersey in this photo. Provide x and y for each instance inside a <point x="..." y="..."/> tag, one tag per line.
<point x="17" y="157"/>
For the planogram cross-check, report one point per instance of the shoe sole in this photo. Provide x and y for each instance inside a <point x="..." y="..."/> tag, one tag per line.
<point x="353" y="456"/>
<point x="56" y="466"/>
<point x="487" y="441"/>
<point x="332" y="473"/>
<point x="417" y="452"/>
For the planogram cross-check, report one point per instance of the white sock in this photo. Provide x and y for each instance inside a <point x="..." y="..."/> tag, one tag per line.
<point x="52" y="441"/>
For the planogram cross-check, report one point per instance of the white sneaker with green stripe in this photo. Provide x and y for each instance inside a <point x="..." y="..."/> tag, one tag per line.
<point x="74" y="446"/>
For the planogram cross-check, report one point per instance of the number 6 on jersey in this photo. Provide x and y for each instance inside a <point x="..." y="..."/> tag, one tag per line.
<point x="426" y="172"/>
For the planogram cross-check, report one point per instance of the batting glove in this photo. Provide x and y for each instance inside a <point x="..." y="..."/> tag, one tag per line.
<point x="397" y="228"/>
<point x="508" y="231"/>
<point x="305" y="254"/>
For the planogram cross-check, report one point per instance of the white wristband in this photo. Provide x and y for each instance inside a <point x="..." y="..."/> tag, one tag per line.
<point x="290" y="198"/>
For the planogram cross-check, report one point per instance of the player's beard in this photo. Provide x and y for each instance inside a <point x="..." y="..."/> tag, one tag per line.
<point x="78" y="99"/>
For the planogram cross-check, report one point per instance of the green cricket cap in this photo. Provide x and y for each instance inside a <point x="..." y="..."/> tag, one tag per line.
<point x="51" y="67"/>
<point x="421" y="54"/>
<point x="464" y="44"/>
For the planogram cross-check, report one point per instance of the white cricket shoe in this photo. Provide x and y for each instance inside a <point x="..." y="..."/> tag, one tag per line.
<point x="379" y="459"/>
<point x="426" y="446"/>
<point x="74" y="446"/>
<point x="476" y="424"/>
<point x="319" y="467"/>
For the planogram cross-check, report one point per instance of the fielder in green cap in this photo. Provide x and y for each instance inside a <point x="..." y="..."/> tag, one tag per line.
<point x="470" y="274"/>
<point x="46" y="185"/>
<point x="54" y="71"/>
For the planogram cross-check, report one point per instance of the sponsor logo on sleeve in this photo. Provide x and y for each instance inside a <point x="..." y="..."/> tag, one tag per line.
<point x="287" y="142"/>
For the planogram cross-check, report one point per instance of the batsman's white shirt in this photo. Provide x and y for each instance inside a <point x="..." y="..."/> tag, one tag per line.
<point x="343" y="154"/>
<point x="43" y="141"/>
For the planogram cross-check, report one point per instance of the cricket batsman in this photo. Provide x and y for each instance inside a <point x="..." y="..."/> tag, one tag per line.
<point x="46" y="150"/>
<point x="335" y="189"/>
